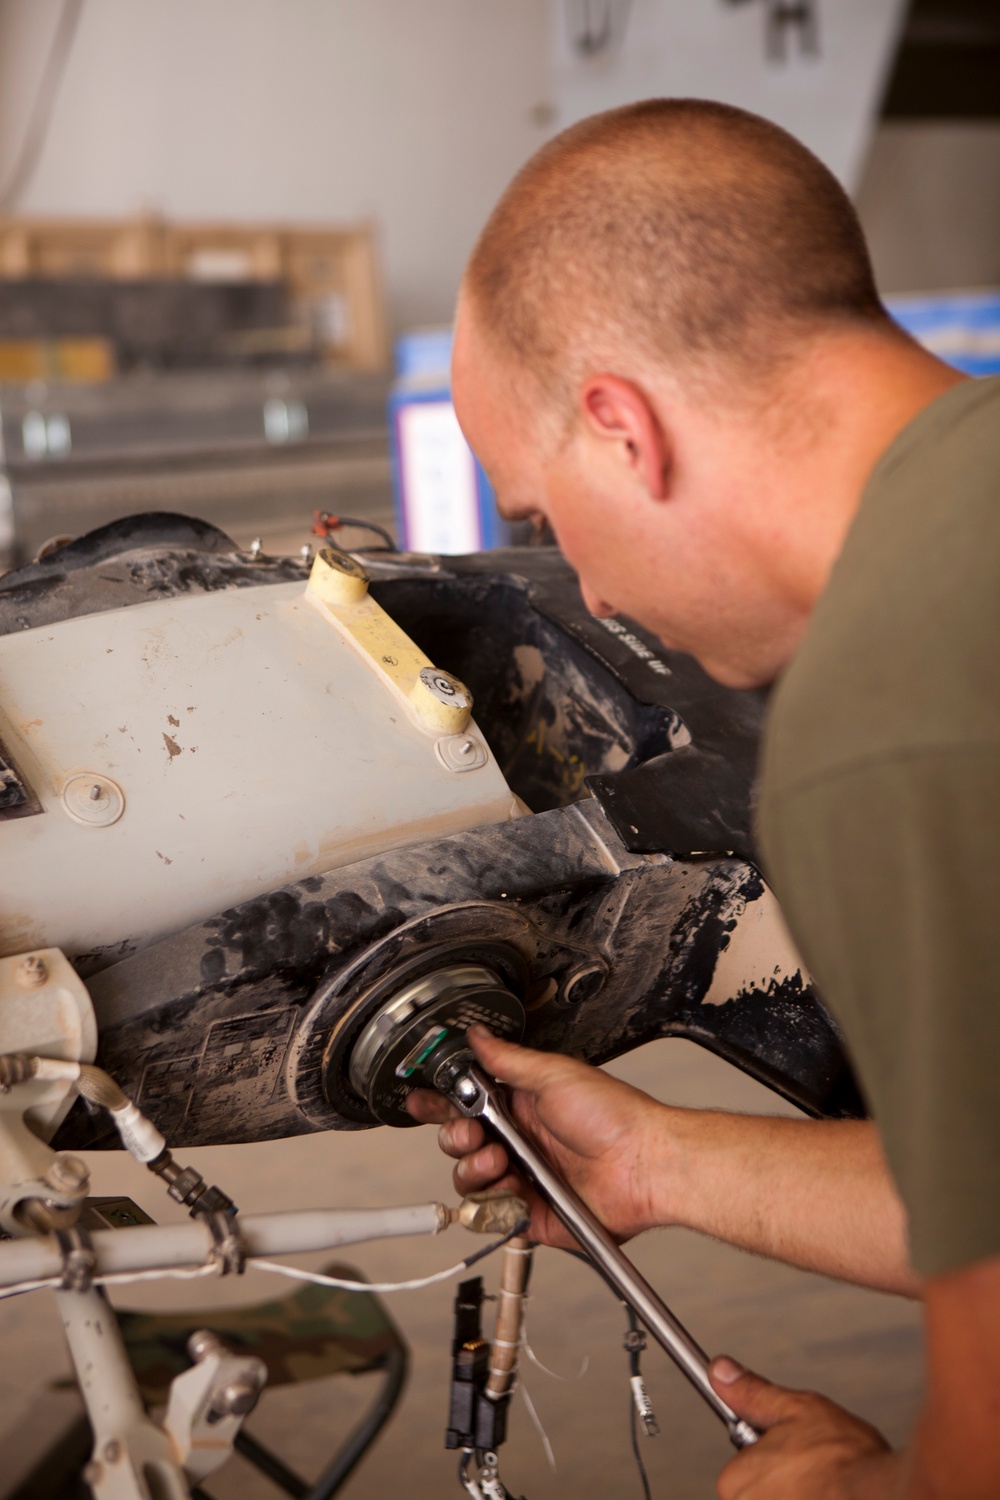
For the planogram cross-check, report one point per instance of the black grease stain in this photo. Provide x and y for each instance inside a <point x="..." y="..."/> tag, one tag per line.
<point x="284" y="931"/>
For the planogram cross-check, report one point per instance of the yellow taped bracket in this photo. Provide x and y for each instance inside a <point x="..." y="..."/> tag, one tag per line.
<point x="338" y="585"/>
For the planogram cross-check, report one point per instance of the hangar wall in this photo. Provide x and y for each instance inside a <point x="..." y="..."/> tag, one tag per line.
<point x="308" y="110"/>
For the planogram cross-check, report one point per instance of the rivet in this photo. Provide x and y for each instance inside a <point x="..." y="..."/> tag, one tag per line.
<point x="33" y="972"/>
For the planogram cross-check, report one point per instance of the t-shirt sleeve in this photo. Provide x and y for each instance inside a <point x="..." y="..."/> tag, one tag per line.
<point x="889" y="874"/>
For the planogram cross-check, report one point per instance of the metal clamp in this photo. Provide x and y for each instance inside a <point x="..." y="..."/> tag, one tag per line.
<point x="228" y="1252"/>
<point x="79" y="1259"/>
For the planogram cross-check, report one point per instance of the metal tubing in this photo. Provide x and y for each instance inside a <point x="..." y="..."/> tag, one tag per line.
<point x="97" y="1349"/>
<point x="148" y="1247"/>
<point x="132" y="1457"/>
<point x="487" y="1103"/>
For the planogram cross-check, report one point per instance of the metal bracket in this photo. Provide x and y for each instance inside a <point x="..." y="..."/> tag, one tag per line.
<point x="79" y="1260"/>
<point x="228" y="1251"/>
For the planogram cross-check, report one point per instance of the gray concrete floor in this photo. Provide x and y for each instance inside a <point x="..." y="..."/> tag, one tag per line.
<point x="861" y="1348"/>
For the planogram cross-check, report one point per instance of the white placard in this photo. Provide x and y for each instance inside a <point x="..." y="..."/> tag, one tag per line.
<point x="440" y="498"/>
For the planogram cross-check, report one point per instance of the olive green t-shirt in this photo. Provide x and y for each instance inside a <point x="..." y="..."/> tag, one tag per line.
<point x="880" y="814"/>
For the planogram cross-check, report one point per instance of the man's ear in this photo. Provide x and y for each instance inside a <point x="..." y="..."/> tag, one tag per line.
<point x="617" y="412"/>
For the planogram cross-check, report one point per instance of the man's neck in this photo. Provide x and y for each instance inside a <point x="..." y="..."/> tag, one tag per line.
<point x="857" y="393"/>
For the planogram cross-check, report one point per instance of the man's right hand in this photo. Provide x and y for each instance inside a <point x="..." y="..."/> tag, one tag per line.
<point x="598" y="1133"/>
<point x="814" y="1193"/>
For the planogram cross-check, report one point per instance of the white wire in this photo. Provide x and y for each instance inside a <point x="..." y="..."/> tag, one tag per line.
<point x="553" y="1374"/>
<point x="123" y="1278"/>
<point x="28" y="1286"/>
<point x="116" y="1278"/>
<point x="296" y="1274"/>
<point x="173" y="1273"/>
<point x="532" y="1413"/>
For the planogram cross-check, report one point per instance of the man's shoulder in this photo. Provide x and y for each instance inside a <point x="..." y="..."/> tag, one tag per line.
<point x="902" y="654"/>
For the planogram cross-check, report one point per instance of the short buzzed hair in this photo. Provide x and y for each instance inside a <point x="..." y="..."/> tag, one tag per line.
<point x="690" y="232"/>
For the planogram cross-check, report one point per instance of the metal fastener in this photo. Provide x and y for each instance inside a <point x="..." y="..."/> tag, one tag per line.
<point x="113" y="1451"/>
<point x="584" y="983"/>
<point x="202" y="1343"/>
<point x="68" y="1174"/>
<point x="237" y="1397"/>
<point x="33" y="972"/>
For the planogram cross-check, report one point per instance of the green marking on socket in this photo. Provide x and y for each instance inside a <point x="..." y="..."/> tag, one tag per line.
<point x="410" y="1064"/>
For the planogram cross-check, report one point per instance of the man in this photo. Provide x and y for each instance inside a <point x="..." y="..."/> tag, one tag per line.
<point x="669" y="345"/>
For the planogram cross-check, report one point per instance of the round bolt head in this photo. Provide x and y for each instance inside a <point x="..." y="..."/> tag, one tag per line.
<point x="587" y="982"/>
<point x="68" y="1174"/>
<point x="337" y="578"/>
<point x="442" y="702"/>
<point x="458" y="752"/>
<point x="93" y="798"/>
<point x="202" y="1343"/>
<point x="112" y="1451"/>
<point x="32" y="972"/>
<point x="237" y="1397"/>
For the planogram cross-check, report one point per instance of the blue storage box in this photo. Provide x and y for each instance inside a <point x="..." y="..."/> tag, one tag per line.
<point x="962" y="328"/>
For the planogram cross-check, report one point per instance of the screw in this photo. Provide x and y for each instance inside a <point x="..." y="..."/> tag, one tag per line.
<point x="466" y="747"/>
<point x="68" y="1174"/>
<point x="113" y="1451"/>
<point x="33" y="972"/>
<point x="587" y="982"/>
<point x="202" y="1343"/>
<point x="236" y="1397"/>
<point x="306" y="552"/>
<point x="96" y="792"/>
<point x="255" y="547"/>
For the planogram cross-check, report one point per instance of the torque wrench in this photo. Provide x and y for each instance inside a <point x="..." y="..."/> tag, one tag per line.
<point x="479" y="1097"/>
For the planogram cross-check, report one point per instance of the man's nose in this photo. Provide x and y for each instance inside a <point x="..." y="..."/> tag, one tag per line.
<point x="595" y="604"/>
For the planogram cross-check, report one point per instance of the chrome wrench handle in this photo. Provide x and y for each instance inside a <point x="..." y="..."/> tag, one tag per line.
<point x="478" y="1097"/>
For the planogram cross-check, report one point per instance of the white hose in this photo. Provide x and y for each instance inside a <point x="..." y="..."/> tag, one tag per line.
<point x="148" y="1247"/>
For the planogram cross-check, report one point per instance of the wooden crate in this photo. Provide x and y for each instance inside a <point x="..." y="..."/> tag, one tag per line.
<point x="332" y="273"/>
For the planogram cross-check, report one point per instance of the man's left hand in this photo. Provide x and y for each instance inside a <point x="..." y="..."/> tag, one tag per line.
<point x="811" y="1449"/>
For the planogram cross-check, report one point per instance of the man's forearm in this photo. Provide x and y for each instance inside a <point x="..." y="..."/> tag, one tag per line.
<point x="814" y="1193"/>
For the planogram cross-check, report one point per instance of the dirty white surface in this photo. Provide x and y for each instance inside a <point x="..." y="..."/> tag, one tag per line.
<point x="251" y="745"/>
<point x="861" y="1348"/>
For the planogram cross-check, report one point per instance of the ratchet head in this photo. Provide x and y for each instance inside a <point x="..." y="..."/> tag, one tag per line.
<point x="417" y="1037"/>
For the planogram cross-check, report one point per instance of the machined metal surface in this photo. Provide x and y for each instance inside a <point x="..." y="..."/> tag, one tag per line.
<point x="426" y="1017"/>
<point x="480" y="1098"/>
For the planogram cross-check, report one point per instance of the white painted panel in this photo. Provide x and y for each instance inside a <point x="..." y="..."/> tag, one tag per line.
<point x="253" y="744"/>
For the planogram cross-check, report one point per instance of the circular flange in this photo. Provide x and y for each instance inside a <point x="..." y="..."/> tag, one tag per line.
<point x="94" y="799"/>
<point x="503" y="961"/>
<point x="416" y="1024"/>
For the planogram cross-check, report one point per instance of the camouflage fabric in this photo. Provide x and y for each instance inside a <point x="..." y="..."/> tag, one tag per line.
<point x="314" y="1332"/>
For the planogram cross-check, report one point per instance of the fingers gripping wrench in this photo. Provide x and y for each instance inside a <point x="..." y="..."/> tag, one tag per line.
<point x="479" y="1097"/>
